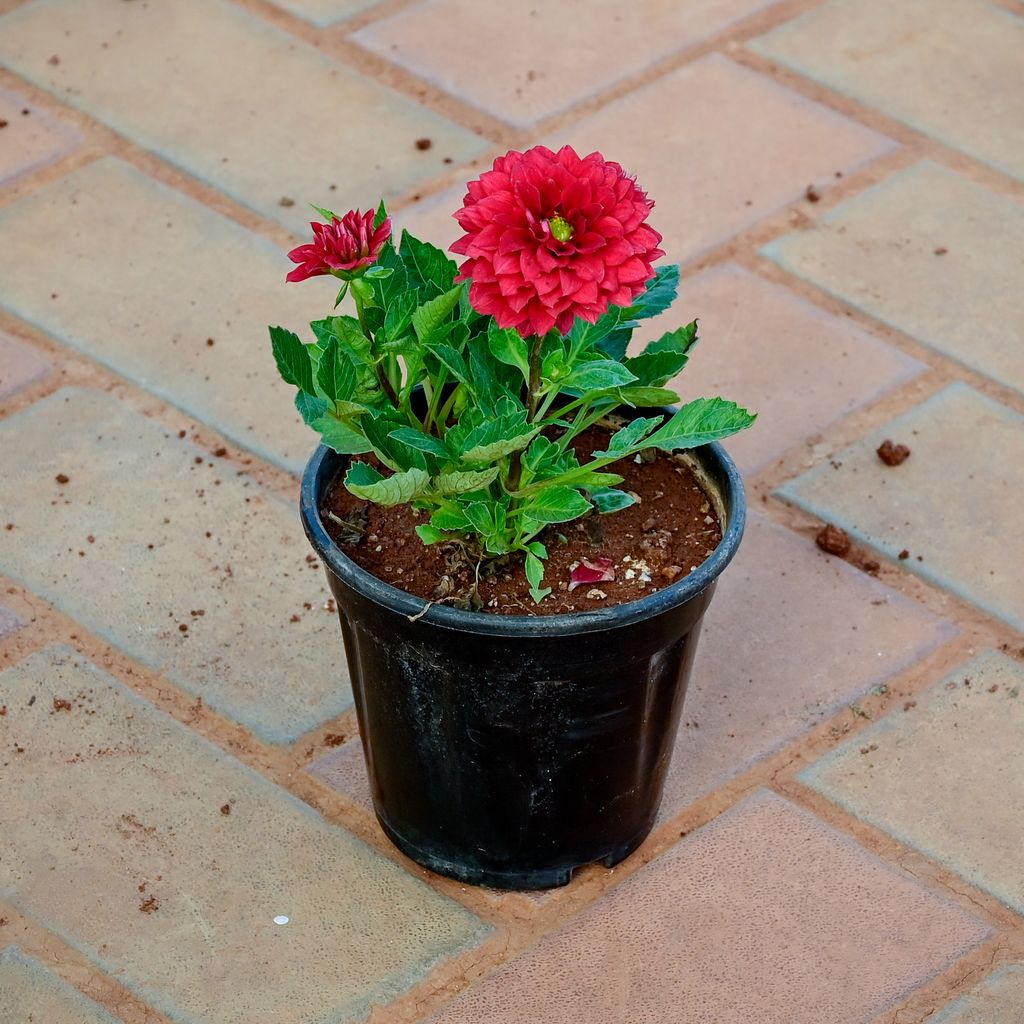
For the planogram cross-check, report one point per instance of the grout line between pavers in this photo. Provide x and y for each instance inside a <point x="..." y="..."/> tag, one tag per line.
<point x="71" y="966"/>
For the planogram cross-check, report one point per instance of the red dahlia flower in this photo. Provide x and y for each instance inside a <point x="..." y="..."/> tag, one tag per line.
<point x="341" y="248"/>
<point x="553" y="236"/>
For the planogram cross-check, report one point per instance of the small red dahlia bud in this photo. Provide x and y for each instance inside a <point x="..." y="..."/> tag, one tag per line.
<point x="343" y="248"/>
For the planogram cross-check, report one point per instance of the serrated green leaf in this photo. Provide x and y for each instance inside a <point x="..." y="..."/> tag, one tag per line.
<point x="417" y="439"/>
<point x="535" y="576"/>
<point x="556" y="504"/>
<point x="453" y="361"/>
<point x="612" y="332"/>
<point x="311" y="407"/>
<point x="430" y="534"/>
<point x="381" y="215"/>
<point x="598" y="375"/>
<point x="335" y="374"/>
<point x="663" y="359"/>
<point x="608" y="499"/>
<point x="293" y="359"/>
<point x="344" y="439"/>
<point x="698" y="422"/>
<point x="509" y="347"/>
<point x="464" y="481"/>
<point x="481" y="448"/>
<point x="428" y="317"/>
<point x="380" y="429"/>
<point x="428" y="269"/>
<point x="327" y="215"/>
<point x="398" y="489"/>
<point x="627" y="438"/>
<point x="450" y="517"/>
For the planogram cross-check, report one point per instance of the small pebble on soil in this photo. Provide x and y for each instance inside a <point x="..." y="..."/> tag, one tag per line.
<point x="834" y="540"/>
<point x="893" y="454"/>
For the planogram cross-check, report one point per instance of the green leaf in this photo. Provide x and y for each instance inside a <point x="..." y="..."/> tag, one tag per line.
<point x="509" y="347"/>
<point x="663" y="359"/>
<point x="335" y="374"/>
<point x="311" y="407"/>
<point x="381" y="215"/>
<point x="340" y="436"/>
<point x="556" y="504"/>
<point x="430" y="534"/>
<point x="294" y="361"/>
<point x="450" y="517"/>
<point x="429" y="270"/>
<point x="598" y="375"/>
<point x="453" y="361"/>
<point x="647" y="397"/>
<point x="698" y="422"/>
<point x="429" y="317"/>
<point x="398" y="315"/>
<point x="660" y="294"/>
<point x="398" y="489"/>
<point x="608" y="499"/>
<point x="535" y="576"/>
<point x="327" y="215"/>
<point x="464" y="481"/>
<point x="629" y="437"/>
<point x="417" y="439"/>
<point x="381" y="429"/>
<point x="493" y="440"/>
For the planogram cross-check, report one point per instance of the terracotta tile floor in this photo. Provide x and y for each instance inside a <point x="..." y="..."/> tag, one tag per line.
<point x="194" y="840"/>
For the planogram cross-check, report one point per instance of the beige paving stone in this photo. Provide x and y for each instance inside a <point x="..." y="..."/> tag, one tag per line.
<point x="194" y="578"/>
<point x="949" y="68"/>
<point x="143" y="277"/>
<point x="20" y="364"/>
<point x="124" y="849"/>
<point x="932" y="254"/>
<point x="345" y="770"/>
<point x="741" y="922"/>
<point x="952" y="505"/>
<point x="29" y="993"/>
<point x="817" y="634"/>
<point x="718" y="147"/>
<point x="223" y="94"/>
<point x="999" y="999"/>
<point x="763" y="347"/>
<point x="325" y="12"/>
<point x="542" y="58"/>
<point x="946" y="777"/>
<point x="29" y="138"/>
<point x="9" y="622"/>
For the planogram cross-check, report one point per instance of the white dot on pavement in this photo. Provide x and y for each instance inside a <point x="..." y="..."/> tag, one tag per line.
<point x="281" y="919"/>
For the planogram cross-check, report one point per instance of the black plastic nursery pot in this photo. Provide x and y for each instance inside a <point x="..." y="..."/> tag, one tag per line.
<point x="509" y="750"/>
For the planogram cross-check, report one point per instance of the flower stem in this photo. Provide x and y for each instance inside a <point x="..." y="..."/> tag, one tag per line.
<point x="515" y="471"/>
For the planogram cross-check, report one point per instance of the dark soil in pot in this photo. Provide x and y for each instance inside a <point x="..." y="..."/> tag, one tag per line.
<point x="668" y="533"/>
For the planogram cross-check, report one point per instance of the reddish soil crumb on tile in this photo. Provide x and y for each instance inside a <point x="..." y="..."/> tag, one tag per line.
<point x="424" y="144"/>
<point x="60" y="704"/>
<point x="225" y="809"/>
<point x="62" y="478"/>
<point x="149" y="905"/>
<point x="893" y="454"/>
<point x="834" y="540"/>
<point x="811" y="194"/>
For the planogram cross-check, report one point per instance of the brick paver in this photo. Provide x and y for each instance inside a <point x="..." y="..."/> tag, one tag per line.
<point x="182" y="572"/>
<point x="20" y="365"/>
<point x="29" y="138"/>
<point x="98" y="292"/>
<point x="155" y="874"/>
<point x="759" y="146"/>
<point x="145" y="208"/>
<point x="552" y="69"/>
<point x="949" y="506"/>
<point x="947" y="776"/>
<point x="232" y="100"/>
<point x="821" y="367"/>
<point x="817" y="634"/>
<point x="741" y="921"/>
<point x="30" y="993"/>
<point x="924" y="233"/>
<point x="999" y="999"/>
<point x="950" y="68"/>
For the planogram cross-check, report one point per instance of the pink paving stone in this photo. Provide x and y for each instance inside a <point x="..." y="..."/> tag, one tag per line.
<point x="551" y="54"/>
<point x="718" y="147"/>
<point x="797" y="367"/>
<point x="817" y="633"/>
<point x="19" y="365"/>
<point x="765" y="916"/>
<point x="791" y="635"/>
<point x="28" y="141"/>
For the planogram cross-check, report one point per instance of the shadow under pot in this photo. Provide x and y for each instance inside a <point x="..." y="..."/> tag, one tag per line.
<point x="509" y="750"/>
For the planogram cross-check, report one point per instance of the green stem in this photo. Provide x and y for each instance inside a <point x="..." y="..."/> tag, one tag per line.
<point x="435" y="398"/>
<point x="382" y="377"/>
<point x="515" y="471"/>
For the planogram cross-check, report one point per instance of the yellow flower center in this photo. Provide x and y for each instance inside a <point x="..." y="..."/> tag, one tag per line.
<point x="560" y="228"/>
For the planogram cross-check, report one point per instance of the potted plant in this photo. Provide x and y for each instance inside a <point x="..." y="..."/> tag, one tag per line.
<point x="521" y="534"/>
